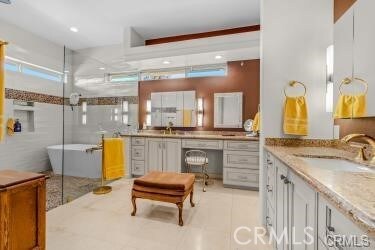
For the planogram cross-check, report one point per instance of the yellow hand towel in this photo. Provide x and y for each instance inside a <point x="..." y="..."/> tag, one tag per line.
<point x="256" y="123"/>
<point x="296" y="116"/>
<point x="10" y="126"/>
<point x="113" y="162"/>
<point x="187" y="115"/>
<point x="2" y="91"/>
<point x="351" y="106"/>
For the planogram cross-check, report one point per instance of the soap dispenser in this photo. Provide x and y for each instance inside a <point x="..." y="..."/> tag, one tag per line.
<point x="17" y="126"/>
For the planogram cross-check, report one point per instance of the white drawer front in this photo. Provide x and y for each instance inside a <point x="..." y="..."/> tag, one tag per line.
<point x="138" y="168"/>
<point x="138" y="153"/>
<point x="202" y="144"/>
<point x="138" y="141"/>
<point x="241" y="145"/>
<point x="241" y="159"/>
<point x="241" y="177"/>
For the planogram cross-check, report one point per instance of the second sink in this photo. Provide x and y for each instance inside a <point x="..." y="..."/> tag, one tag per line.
<point x="336" y="165"/>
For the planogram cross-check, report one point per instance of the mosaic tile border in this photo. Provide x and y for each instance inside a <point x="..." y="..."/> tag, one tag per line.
<point x="29" y="96"/>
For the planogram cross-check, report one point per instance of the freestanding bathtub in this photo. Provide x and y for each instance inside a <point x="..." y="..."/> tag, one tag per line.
<point x="76" y="161"/>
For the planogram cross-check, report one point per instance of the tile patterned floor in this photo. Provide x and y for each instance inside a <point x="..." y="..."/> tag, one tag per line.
<point x="104" y="222"/>
<point x="74" y="187"/>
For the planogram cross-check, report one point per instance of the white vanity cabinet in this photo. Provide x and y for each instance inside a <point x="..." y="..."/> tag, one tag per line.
<point x="331" y="222"/>
<point x="241" y="164"/>
<point x="163" y="154"/>
<point x="295" y="209"/>
<point x="290" y="206"/>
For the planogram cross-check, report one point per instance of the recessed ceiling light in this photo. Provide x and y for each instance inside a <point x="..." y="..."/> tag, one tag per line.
<point x="218" y="57"/>
<point x="74" y="29"/>
<point x="166" y="62"/>
<point x="102" y="68"/>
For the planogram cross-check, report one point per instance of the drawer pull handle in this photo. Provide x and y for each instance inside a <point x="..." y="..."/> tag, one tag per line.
<point x="269" y="188"/>
<point x="286" y="181"/>
<point x="268" y="221"/>
<point x="242" y="177"/>
<point x="282" y="177"/>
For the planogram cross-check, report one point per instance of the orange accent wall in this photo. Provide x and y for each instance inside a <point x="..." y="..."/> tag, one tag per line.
<point x="340" y="7"/>
<point x="244" y="79"/>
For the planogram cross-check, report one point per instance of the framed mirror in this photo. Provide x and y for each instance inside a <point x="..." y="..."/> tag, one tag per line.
<point x="354" y="50"/>
<point x="228" y="110"/>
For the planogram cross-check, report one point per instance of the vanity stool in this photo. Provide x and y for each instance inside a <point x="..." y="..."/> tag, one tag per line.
<point x="164" y="186"/>
<point x="194" y="158"/>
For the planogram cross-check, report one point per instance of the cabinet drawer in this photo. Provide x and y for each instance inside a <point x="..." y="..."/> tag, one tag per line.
<point x="241" y="177"/>
<point x="331" y="221"/>
<point x="242" y="145"/>
<point x="202" y="144"/>
<point x="241" y="159"/>
<point x="138" y="168"/>
<point x="138" y="141"/>
<point x="138" y="152"/>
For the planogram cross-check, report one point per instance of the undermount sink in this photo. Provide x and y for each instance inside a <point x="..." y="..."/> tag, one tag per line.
<point x="336" y="165"/>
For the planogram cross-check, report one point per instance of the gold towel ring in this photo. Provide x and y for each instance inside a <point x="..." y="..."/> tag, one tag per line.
<point x="292" y="84"/>
<point x="348" y="80"/>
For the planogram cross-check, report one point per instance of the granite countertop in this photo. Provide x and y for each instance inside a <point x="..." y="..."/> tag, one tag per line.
<point x="212" y="135"/>
<point x="352" y="193"/>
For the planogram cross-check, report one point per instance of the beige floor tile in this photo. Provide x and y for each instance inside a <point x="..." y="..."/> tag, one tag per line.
<point x="104" y="222"/>
<point x="200" y="239"/>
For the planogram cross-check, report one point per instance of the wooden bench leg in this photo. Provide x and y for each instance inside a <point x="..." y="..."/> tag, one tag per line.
<point x="191" y="198"/>
<point x="180" y="206"/>
<point x="134" y="206"/>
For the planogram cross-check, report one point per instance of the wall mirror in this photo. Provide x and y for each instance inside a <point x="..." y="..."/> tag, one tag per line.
<point x="354" y="51"/>
<point x="177" y="107"/>
<point x="228" y="110"/>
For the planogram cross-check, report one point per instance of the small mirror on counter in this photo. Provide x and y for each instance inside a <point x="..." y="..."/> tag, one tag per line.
<point x="228" y="110"/>
<point x="353" y="66"/>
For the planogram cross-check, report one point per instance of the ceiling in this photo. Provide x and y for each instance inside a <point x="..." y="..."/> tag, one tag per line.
<point x="102" y="23"/>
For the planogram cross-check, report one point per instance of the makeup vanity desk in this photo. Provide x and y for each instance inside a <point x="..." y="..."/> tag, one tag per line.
<point x="232" y="156"/>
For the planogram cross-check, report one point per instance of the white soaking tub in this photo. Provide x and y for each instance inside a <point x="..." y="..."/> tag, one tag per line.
<point x="76" y="161"/>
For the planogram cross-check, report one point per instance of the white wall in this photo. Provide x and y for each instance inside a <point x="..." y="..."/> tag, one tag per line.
<point x="356" y="53"/>
<point x="294" y="39"/>
<point x="27" y="151"/>
<point x="295" y="36"/>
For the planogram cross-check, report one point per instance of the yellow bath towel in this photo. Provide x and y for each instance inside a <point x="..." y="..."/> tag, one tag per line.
<point x="351" y="106"/>
<point x="256" y="122"/>
<point x="2" y="91"/>
<point x="10" y="127"/>
<point x="114" y="160"/>
<point x="296" y="116"/>
<point x="187" y="115"/>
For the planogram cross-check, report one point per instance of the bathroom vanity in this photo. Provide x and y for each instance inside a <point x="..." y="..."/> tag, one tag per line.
<point x="238" y="155"/>
<point x="299" y="195"/>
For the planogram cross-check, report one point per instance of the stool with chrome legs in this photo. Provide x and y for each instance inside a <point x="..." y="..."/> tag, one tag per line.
<point x="197" y="158"/>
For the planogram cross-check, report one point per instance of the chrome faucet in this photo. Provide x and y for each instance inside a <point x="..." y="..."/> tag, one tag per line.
<point x="361" y="154"/>
<point x="168" y="129"/>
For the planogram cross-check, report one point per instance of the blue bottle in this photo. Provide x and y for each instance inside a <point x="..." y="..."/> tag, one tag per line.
<point x="17" y="126"/>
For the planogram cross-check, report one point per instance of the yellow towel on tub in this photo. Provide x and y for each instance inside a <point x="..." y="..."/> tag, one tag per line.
<point x="256" y="122"/>
<point x="187" y="117"/>
<point x="114" y="160"/>
<point x="10" y="127"/>
<point x="351" y="106"/>
<point x="2" y="90"/>
<point x="296" y="116"/>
